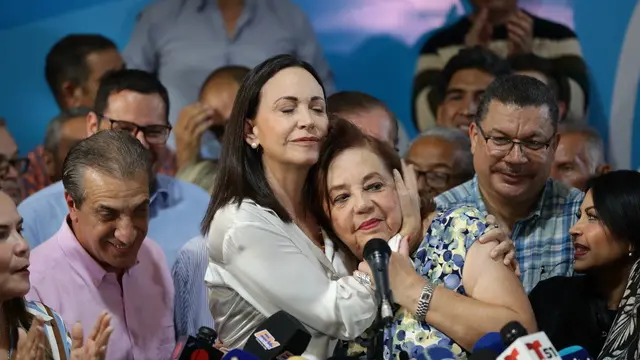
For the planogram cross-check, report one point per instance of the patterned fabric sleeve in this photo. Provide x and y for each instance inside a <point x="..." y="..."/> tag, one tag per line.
<point x="623" y="342"/>
<point x="55" y="330"/>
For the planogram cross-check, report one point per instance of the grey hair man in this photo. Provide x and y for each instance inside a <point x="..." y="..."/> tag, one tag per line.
<point x="63" y="132"/>
<point x="442" y="159"/>
<point x="579" y="156"/>
<point x="101" y="255"/>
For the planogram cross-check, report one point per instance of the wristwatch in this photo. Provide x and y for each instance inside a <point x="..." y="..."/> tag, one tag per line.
<point x="425" y="300"/>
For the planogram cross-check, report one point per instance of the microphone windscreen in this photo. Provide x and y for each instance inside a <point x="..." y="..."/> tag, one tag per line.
<point x="279" y="334"/>
<point x="376" y="245"/>
<point x="484" y="354"/>
<point x="510" y="332"/>
<point x="492" y="341"/>
<point x="238" y="354"/>
<point x="574" y="352"/>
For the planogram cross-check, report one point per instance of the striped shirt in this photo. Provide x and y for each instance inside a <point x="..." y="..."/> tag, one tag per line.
<point x="54" y="329"/>
<point x="551" y="40"/>
<point x="191" y="303"/>
<point x="542" y="240"/>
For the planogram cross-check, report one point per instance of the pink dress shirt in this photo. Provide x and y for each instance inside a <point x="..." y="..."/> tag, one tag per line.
<point x="66" y="278"/>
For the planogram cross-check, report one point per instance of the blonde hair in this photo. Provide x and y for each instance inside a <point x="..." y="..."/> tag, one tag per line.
<point x="201" y="173"/>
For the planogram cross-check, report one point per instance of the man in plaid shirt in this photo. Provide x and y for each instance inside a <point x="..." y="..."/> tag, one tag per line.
<point x="513" y="141"/>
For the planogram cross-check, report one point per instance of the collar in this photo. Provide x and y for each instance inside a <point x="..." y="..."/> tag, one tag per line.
<point x="83" y="263"/>
<point x="249" y="6"/>
<point x="538" y="211"/>
<point x="160" y="189"/>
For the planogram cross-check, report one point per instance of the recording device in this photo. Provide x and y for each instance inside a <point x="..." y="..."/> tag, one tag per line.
<point x="238" y="354"/>
<point x="528" y="347"/>
<point x="491" y="341"/>
<point x="200" y="347"/>
<point x="377" y="253"/>
<point x="278" y="337"/>
<point x="575" y="353"/>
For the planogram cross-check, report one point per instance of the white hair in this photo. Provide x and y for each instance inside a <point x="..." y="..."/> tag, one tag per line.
<point x="593" y="141"/>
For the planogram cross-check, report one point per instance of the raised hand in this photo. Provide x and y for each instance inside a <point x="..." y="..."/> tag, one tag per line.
<point x="95" y="348"/>
<point x="31" y="345"/>
<point x="481" y="30"/>
<point x="193" y="121"/>
<point x="407" y="188"/>
<point x="520" y="33"/>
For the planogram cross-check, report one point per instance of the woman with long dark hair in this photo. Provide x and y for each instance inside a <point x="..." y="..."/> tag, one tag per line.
<point x="580" y="310"/>
<point x="266" y="251"/>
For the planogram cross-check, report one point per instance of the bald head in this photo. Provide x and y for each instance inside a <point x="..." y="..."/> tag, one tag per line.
<point x="579" y="156"/>
<point x="218" y="91"/>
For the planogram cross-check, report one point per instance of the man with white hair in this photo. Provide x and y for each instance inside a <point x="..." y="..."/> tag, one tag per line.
<point x="579" y="156"/>
<point x="442" y="159"/>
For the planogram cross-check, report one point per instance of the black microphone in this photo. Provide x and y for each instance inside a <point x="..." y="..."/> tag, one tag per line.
<point x="201" y="347"/>
<point x="377" y="253"/>
<point x="278" y="337"/>
<point x="511" y="332"/>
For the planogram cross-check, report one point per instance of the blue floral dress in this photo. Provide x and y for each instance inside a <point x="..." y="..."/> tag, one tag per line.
<point x="440" y="258"/>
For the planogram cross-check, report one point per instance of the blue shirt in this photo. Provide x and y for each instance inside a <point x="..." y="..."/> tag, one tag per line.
<point x="183" y="41"/>
<point x="191" y="302"/>
<point x="542" y="240"/>
<point x="176" y="210"/>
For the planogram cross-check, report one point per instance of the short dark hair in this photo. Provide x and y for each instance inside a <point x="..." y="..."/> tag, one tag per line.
<point x="233" y="72"/>
<point x="349" y="102"/>
<point x="533" y="62"/>
<point x="133" y="80"/>
<point x="66" y="61"/>
<point x="52" y="135"/>
<point x="521" y="91"/>
<point x="241" y="174"/>
<point x="114" y="153"/>
<point x="342" y="136"/>
<point x="477" y="58"/>
<point x="616" y="198"/>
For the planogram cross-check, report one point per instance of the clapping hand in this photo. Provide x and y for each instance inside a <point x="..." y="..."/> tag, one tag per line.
<point x="95" y="348"/>
<point x="520" y="32"/>
<point x="31" y="345"/>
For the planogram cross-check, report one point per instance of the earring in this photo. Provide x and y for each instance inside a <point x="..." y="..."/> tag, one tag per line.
<point x="630" y="253"/>
<point x="254" y="145"/>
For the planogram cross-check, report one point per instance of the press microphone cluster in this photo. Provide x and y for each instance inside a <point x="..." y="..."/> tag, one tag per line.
<point x="522" y="346"/>
<point x="200" y="347"/>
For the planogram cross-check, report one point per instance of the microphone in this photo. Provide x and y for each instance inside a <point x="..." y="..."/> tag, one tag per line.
<point x="484" y="354"/>
<point x="278" y="337"/>
<point x="535" y="346"/>
<point x="491" y="341"/>
<point x="200" y="347"/>
<point x="377" y="253"/>
<point x="238" y="354"/>
<point x="512" y="331"/>
<point x="575" y="353"/>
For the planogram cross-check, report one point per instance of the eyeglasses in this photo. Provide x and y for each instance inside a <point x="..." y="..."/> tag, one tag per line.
<point x="434" y="179"/>
<point x="502" y="145"/>
<point x="153" y="134"/>
<point x="20" y="164"/>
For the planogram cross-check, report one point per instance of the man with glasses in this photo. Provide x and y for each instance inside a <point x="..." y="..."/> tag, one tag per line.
<point x="441" y="158"/>
<point x="11" y="166"/>
<point x="136" y="102"/>
<point x="513" y="141"/>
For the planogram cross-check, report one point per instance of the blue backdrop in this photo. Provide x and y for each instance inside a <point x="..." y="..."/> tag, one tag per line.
<point x="371" y="45"/>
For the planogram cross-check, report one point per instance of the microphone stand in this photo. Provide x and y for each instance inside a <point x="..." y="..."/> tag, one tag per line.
<point x="376" y="347"/>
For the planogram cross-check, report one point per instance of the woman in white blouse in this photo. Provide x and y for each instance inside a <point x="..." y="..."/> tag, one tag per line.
<point x="266" y="253"/>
